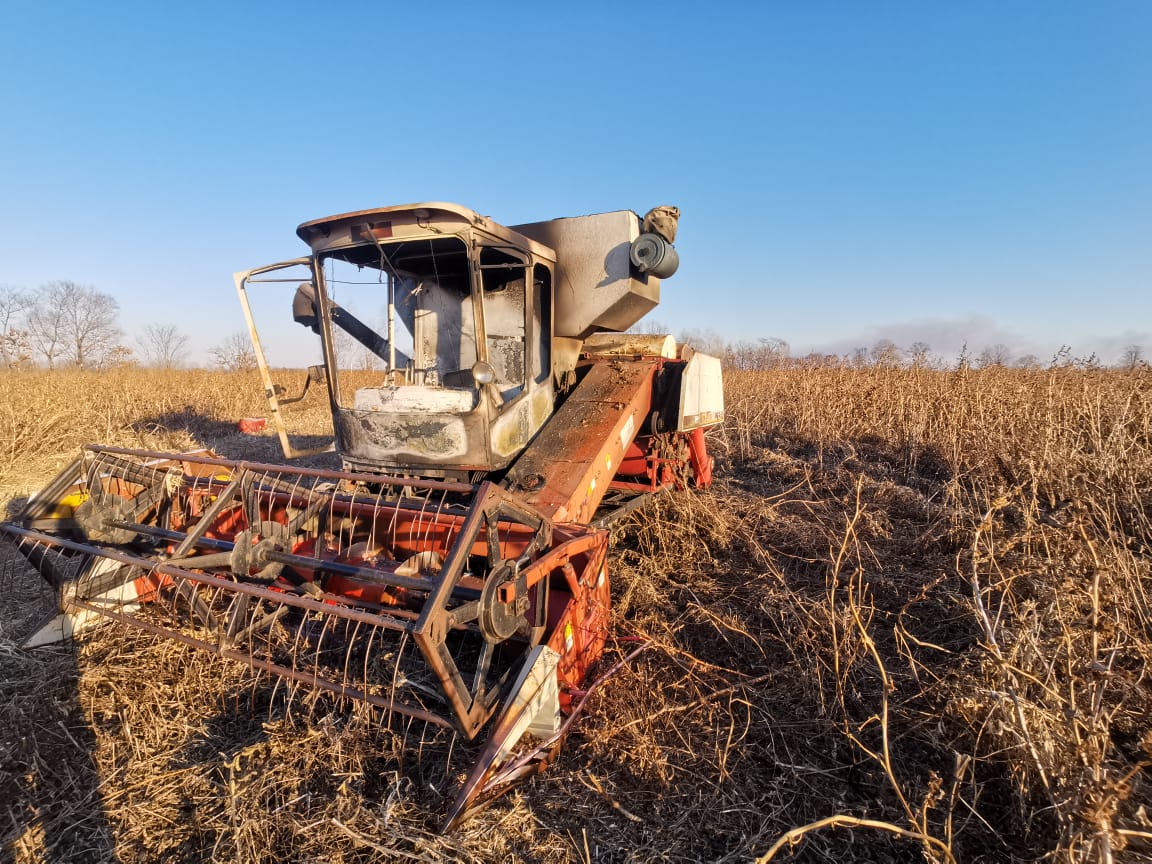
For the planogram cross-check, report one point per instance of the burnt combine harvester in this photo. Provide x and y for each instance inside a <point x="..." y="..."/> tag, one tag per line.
<point x="453" y="573"/>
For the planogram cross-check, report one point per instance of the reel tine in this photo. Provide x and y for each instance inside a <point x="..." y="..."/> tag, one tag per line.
<point x="320" y="648"/>
<point x="338" y="588"/>
<point x="237" y="615"/>
<point x="349" y="641"/>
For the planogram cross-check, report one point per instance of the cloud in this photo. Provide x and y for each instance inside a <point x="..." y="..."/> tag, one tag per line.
<point x="1110" y="349"/>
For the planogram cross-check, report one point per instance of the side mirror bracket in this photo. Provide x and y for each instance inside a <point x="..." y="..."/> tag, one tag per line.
<point x="315" y="374"/>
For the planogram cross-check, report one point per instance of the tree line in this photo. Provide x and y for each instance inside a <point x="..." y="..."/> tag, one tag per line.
<point x="59" y="324"/>
<point x="65" y="324"/>
<point x="773" y="353"/>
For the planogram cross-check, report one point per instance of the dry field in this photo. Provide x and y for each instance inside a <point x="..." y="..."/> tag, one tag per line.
<point x="911" y="621"/>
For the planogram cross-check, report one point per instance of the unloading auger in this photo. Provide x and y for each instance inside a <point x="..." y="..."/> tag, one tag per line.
<point x="453" y="573"/>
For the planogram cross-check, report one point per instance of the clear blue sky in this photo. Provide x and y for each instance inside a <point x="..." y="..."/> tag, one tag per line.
<point x="846" y="171"/>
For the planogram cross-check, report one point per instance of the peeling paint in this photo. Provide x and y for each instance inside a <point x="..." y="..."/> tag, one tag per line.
<point x="511" y="432"/>
<point x="385" y="436"/>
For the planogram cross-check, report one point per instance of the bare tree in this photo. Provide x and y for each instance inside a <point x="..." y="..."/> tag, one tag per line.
<point x="1028" y="361"/>
<point x="1132" y="357"/>
<point x="46" y="333"/>
<point x="920" y="355"/>
<point x="761" y="354"/>
<point x="91" y="324"/>
<point x="885" y="353"/>
<point x="994" y="355"/>
<point x="774" y="350"/>
<point x="704" y="341"/>
<point x="235" y="354"/>
<point x="14" y="347"/>
<point x="163" y="346"/>
<point x="353" y="354"/>
<point x="820" y="360"/>
<point x="74" y="324"/>
<point x="648" y="327"/>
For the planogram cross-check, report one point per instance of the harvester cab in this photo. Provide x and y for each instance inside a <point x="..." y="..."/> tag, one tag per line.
<point x="491" y="417"/>
<point x="447" y="337"/>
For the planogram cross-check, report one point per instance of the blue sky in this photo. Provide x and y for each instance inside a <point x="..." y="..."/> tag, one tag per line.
<point x="846" y="171"/>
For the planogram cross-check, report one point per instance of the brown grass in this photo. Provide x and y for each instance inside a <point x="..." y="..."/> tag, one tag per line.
<point x="911" y="621"/>
<point x="46" y="416"/>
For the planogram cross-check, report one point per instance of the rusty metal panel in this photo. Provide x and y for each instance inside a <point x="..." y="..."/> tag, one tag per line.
<point x="567" y="470"/>
<point x="630" y="345"/>
<point x="596" y="286"/>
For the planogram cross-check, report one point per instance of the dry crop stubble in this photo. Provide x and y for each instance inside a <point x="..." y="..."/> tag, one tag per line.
<point x="910" y="621"/>
<point x="46" y="416"/>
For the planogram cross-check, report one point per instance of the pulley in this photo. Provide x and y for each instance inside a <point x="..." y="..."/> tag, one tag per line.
<point x="503" y="603"/>
<point x="651" y="253"/>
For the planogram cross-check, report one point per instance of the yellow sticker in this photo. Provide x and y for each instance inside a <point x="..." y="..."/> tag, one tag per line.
<point x="68" y="505"/>
<point x="567" y="637"/>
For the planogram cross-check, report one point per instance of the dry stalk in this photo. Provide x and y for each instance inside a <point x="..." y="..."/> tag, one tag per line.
<point x="994" y="646"/>
<point x="1001" y="648"/>
<point x="795" y="835"/>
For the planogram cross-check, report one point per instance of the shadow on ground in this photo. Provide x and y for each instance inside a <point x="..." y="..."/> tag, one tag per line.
<point x="225" y="439"/>
<point x="52" y="809"/>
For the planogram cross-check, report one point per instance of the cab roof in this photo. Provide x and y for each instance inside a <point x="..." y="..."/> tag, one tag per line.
<point x="408" y="220"/>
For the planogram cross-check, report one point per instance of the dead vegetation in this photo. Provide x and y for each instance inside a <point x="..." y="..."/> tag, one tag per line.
<point x="46" y="416"/>
<point x="911" y="621"/>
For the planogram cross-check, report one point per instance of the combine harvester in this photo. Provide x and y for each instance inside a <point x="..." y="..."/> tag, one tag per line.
<point x="453" y="573"/>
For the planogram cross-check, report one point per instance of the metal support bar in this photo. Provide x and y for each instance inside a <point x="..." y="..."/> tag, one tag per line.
<point x="149" y="565"/>
<point x="268" y="468"/>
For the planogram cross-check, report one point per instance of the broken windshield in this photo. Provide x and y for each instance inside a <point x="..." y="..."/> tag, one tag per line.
<point x="430" y="336"/>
